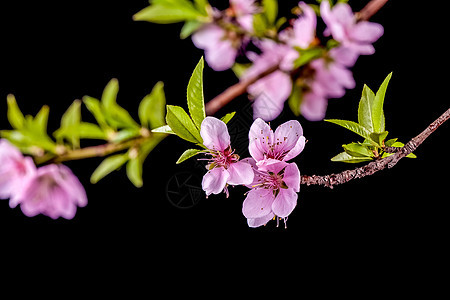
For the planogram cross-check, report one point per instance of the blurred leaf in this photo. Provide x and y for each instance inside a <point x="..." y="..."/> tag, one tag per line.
<point x="72" y="118"/>
<point x="152" y="109"/>
<point x="126" y="134"/>
<point x="189" y="27"/>
<point x="164" y="129"/>
<point x="377" y="108"/>
<point x="347" y="158"/>
<point x="307" y="55"/>
<point x="239" y="69"/>
<point x="41" y="120"/>
<point x="365" y="108"/>
<point x="201" y="6"/>
<point x="271" y="10"/>
<point x="357" y="150"/>
<point x="182" y="125"/>
<point x="116" y="116"/>
<point x="15" y="116"/>
<point x="195" y="101"/>
<point x="108" y="165"/>
<point x="352" y="126"/>
<point x="188" y="154"/>
<point x="295" y="99"/>
<point x="259" y="24"/>
<point x="168" y="11"/>
<point x="228" y="117"/>
<point x="83" y="130"/>
<point x="134" y="172"/>
<point x="95" y="107"/>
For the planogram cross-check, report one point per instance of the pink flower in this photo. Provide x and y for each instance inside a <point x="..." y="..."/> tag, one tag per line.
<point x="303" y="32"/>
<point x="267" y="147"/>
<point x="273" y="193"/>
<point x="221" y="47"/>
<point x="243" y="10"/>
<point x="224" y="166"/>
<point x="53" y="191"/>
<point x="271" y="91"/>
<point x="341" y="24"/>
<point x="14" y="169"/>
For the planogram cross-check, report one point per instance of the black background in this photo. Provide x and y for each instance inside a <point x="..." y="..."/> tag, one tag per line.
<point x="53" y="53"/>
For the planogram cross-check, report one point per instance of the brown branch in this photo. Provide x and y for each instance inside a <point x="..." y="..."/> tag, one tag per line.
<point x="375" y="166"/>
<point x="370" y="9"/>
<point x="215" y="104"/>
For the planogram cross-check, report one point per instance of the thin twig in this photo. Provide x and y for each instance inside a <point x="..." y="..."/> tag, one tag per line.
<point x="370" y="9"/>
<point x="375" y="166"/>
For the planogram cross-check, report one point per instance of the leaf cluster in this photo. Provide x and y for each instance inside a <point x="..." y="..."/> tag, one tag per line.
<point x="370" y="126"/>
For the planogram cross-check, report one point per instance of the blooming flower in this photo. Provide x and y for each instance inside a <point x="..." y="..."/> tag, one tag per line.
<point x="243" y="11"/>
<point x="224" y="166"/>
<point x="267" y="147"/>
<point x="273" y="193"/>
<point x="53" y="191"/>
<point x="14" y="169"/>
<point x="221" y="47"/>
<point x="341" y="24"/>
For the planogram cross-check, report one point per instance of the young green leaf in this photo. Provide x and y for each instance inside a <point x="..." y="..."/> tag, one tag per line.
<point x="152" y="109"/>
<point x="295" y="99"/>
<point x="134" y="172"/>
<point x="347" y="158"/>
<point x="41" y="120"/>
<point x="357" y="150"/>
<point x="182" y="124"/>
<point x="108" y="165"/>
<point x="15" y="116"/>
<point x="96" y="109"/>
<point x="379" y="137"/>
<point x="168" y="11"/>
<point x="72" y="118"/>
<point x="377" y="107"/>
<point x="352" y="126"/>
<point x="271" y="10"/>
<point x="188" y="154"/>
<point x="189" y="27"/>
<point x="195" y="101"/>
<point x="83" y="130"/>
<point x="228" y="117"/>
<point x="365" y="108"/>
<point x="164" y="129"/>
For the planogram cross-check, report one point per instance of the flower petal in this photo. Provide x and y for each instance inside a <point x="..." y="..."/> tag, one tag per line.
<point x="215" y="134"/>
<point x="366" y="32"/>
<point x="298" y="148"/>
<point x="260" y="221"/>
<point x="292" y="177"/>
<point x="286" y="136"/>
<point x="260" y="138"/>
<point x="313" y="107"/>
<point x="208" y="36"/>
<point x="215" y="180"/>
<point x="284" y="203"/>
<point x="221" y="57"/>
<point x="258" y="203"/>
<point x="240" y="173"/>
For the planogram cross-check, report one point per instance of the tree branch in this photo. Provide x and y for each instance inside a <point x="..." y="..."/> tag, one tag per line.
<point x="375" y="166"/>
<point x="370" y="9"/>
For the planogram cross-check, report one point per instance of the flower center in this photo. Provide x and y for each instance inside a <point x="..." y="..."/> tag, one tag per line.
<point x="270" y="180"/>
<point x="221" y="158"/>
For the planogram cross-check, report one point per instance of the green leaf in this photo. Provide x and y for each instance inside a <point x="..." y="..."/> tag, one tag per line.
<point x="83" y="130"/>
<point x="164" y="129"/>
<point x="390" y="143"/>
<point x="189" y="27"/>
<point x="239" y="69"/>
<point x="152" y="109"/>
<point x="195" y="99"/>
<point x="295" y="99"/>
<point x="108" y="165"/>
<point x="15" y="116"/>
<point x="352" y="126"/>
<point x="116" y="116"/>
<point x="228" y="117"/>
<point x="259" y="24"/>
<point x="182" y="125"/>
<point x="379" y="137"/>
<point x="125" y="134"/>
<point x="307" y="55"/>
<point x="377" y="108"/>
<point x="41" y="120"/>
<point x="365" y="108"/>
<point x="357" y="150"/>
<point x="347" y="158"/>
<point x="96" y="109"/>
<point x="168" y="11"/>
<point x="72" y="118"/>
<point x="188" y="154"/>
<point x="271" y="10"/>
<point x="134" y="172"/>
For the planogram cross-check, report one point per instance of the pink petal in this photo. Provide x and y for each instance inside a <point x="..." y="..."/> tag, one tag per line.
<point x="305" y="27"/>
<point x="344" y="55"/>
<point x="208" y="36"/>
<point x="313" y="107"/>
<point x="366" y="32"/>
<point x="260" y="221"/>
<point x="287" y="135"/>
<point x="222" y="56"/>
<point x="292" y="177"/>
<point x="214" y="133"/>
<point x="284" y="203"/>
<point x="260" y="138"/>
<point x="298" y="148"/>
<point x="240" y="173"/>
<point x="215" y="180"/>
<point x="343" y="14"/>
<point x="258" y="203"/>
